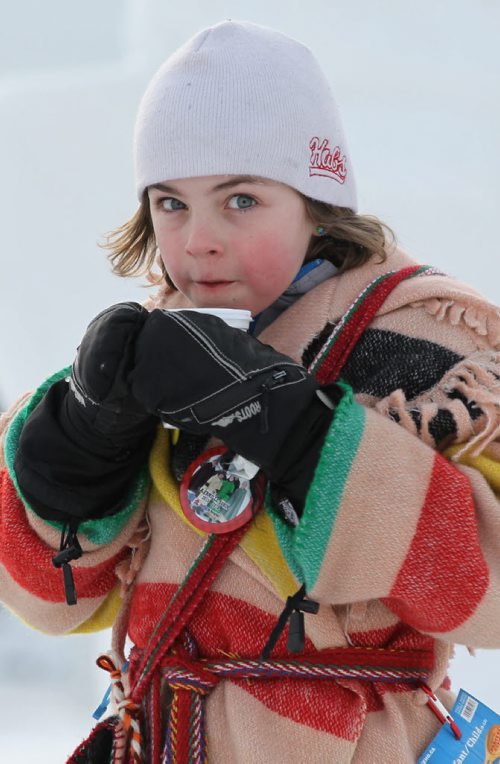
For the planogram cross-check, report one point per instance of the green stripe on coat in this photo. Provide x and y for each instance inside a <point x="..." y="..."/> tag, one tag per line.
<point x="304" y="547"/>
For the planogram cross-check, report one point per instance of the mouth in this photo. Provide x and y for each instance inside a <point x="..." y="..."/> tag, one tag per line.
<point x="213" y="283"/>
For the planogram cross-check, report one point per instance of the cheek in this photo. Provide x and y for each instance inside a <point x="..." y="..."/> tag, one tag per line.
<point x="273" y="261"/>
<point x="169" y="251"/>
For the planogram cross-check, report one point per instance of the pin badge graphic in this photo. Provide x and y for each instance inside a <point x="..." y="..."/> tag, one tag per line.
<point x="217" y="491"/>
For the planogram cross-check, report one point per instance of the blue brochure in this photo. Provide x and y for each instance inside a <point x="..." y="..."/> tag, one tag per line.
<point x="480" y="741"/>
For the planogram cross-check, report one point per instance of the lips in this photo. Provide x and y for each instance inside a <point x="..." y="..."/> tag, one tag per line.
<point x="212" y="283"/>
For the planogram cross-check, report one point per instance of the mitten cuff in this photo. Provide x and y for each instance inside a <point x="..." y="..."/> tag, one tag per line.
<point x="67" y="470"/>
<point x="293" y="469"/>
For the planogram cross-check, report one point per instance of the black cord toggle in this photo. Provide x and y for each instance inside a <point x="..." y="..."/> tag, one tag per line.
<point x="69" y="549"/>
<point x="293" y="614"/>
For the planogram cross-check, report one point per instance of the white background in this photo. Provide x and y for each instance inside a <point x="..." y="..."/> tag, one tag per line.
<point x="418" y="85"/>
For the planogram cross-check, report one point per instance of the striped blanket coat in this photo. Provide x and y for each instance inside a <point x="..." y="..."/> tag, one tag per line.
<point x="399" y="541"/>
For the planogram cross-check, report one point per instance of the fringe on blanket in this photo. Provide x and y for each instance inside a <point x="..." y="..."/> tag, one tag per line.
<point x="476" y="380"/>
<point x="483" y="320"/>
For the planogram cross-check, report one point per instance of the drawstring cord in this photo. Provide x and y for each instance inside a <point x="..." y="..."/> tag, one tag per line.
<point x="293" y="614"/>
<point x="69" y="550"/>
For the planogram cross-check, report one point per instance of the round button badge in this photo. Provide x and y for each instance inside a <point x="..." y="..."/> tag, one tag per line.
<point x="216" y="494"/>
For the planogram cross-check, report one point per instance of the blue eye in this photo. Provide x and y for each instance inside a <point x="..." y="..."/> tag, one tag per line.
<point x="170" y="204"/>
<point x="241" y="202"/>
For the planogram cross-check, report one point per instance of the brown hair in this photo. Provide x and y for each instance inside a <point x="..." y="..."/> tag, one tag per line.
<point x="348" y="240"/>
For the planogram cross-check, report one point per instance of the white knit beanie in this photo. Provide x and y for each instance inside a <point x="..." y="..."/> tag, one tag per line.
<point x="238" y="98"/>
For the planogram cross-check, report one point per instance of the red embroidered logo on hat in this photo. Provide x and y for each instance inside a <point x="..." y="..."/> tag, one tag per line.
<point x="330" y="163"/>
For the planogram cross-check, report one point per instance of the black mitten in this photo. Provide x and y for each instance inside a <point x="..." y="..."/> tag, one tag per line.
<point x="88" y="436"/>
<point x="199" y="374"/>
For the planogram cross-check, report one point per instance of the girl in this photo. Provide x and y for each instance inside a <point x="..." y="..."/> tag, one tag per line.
<point x="357" y="420"/>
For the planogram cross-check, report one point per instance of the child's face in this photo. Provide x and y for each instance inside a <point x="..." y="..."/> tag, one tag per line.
<point x="230" y="241"/>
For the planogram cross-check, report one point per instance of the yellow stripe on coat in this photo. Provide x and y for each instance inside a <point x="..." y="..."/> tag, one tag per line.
<point x="104" y="616"/>
<point x="260" y="541"/>
<point x="488" y="467"/>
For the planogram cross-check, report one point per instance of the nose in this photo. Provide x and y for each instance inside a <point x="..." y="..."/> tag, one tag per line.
<point x="203" y="238"/>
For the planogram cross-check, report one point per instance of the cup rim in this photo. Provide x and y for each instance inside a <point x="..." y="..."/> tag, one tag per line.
<point x="234" y="312"/>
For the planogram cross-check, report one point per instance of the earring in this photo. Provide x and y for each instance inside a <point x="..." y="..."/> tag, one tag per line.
<point x="320" y="230"/>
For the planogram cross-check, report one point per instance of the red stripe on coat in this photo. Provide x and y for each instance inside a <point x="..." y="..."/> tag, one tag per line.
<point x="29" y="561"/>
<point x="226" y="625"/>
<point x="444" y="576"/>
